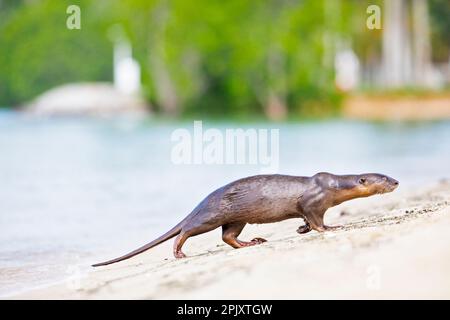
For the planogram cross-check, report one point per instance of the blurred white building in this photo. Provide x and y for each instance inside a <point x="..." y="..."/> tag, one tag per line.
<point x="346" y="66"/>
<point x="127" y="72"/>
<point x="96" y="98"/>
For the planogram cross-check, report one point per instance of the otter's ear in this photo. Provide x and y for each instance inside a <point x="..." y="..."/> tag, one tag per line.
<point x="362" y="180"/>
<point x="333" y="184"/>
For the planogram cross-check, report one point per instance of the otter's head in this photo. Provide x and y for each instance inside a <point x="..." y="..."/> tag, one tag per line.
<point x="373" y="183"/>
<point x="347" y="187"/>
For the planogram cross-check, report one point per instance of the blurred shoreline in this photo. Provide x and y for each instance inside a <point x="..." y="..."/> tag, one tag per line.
<point x="385" y="107"/>
<point x="376" y="255"/>
<point x="400" y="108"/>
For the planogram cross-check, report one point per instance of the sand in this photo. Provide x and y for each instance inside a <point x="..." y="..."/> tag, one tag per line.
<point x="391" y="246"/>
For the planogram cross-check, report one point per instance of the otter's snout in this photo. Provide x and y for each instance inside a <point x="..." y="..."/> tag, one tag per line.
<point x="374" y="183"/>
<point x="394" y="182"/>
<point x="389" y="184"/>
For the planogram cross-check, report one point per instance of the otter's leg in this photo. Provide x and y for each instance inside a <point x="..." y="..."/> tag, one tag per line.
<point x="197" y="225"/>
<point x="231" y="231"/>
<point x="179" y="241"/>
<point x="305" y="228"/>
<point x="190" y="230"/>
<point x="315" y="219"/>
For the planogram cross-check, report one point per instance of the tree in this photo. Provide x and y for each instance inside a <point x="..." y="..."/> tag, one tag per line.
<point x="38" y="52"/>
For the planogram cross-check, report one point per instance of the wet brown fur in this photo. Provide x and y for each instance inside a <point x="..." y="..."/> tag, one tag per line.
<point x="266" y="199"/>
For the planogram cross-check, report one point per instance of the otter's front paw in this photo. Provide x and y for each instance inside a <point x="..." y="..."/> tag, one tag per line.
<point x="303" y="229"/>
<point x="258" y="240"/>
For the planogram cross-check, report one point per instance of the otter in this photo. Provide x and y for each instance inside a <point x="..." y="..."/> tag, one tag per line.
<point x="266" y="199"/>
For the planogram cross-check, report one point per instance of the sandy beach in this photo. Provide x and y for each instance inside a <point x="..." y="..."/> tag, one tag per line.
<point x="391" y="246"/>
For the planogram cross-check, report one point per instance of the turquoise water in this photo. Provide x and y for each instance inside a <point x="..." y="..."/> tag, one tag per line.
<point x="76" y="191"/>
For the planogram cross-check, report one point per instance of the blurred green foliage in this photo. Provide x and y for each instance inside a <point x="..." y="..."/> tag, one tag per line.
<point x="203" y="57"/>
<point x="440" y="28"/>
<point x="38" y="52"/>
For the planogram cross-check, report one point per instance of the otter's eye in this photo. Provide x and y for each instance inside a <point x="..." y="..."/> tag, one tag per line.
<point x="362" y="180"/>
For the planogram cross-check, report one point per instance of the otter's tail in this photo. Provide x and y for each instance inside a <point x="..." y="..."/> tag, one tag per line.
<point x="169" y="234"/>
